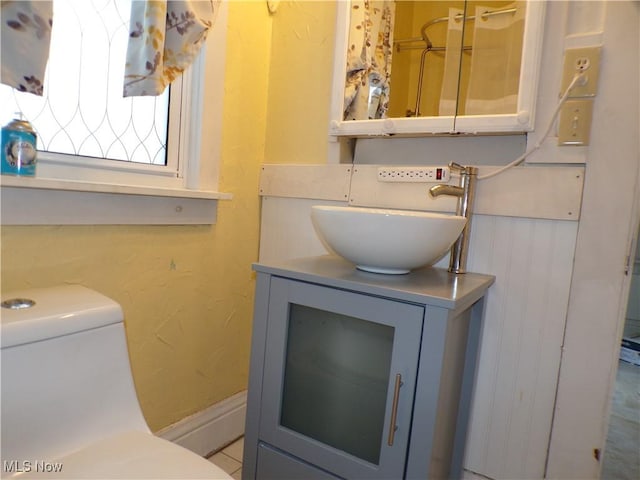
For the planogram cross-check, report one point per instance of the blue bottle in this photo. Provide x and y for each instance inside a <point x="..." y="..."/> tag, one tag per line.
<point x="18" y="155"/>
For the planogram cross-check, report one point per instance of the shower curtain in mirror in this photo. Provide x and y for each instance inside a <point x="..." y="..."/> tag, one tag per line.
<point x="164" y="39"/>
<point x="452" y="58"/>
<point x="25" y="35"/>
<point x="369" y="59"/>
<point x="495" y="62"/>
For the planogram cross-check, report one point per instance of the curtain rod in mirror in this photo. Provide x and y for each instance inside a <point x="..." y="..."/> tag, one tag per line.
<point x="425" y="37"/>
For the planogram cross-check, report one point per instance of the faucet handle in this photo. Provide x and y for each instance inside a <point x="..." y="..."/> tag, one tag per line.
<point x="457" y="167"/>
<point x="463" y="170"/>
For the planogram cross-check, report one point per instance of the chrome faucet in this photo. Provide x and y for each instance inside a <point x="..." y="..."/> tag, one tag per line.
<point x="466" y="194"/>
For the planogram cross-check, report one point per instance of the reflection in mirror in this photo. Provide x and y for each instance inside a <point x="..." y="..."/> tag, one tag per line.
<point x="490" y="73"/>
<point x="368" y="59"/>
<point x="435" y="72"/>
<point x="424" y="45"/>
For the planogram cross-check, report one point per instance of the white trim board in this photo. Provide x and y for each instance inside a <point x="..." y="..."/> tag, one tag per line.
<point x="98" y="187"/>
<point x="35" y="206"/>
<point x="320" y="182"/>
<point x="210" y="429"/>
<point x="547" y="192"/>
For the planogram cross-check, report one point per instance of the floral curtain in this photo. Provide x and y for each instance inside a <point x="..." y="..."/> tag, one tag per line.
<point x="369" y="59"/>
<point x="164" y="39"/>
<point x="25" y="34"/>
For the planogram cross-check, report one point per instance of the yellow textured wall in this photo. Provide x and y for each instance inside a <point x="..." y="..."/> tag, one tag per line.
<point x="187" y="291"/>
<point x="300" y="82"/>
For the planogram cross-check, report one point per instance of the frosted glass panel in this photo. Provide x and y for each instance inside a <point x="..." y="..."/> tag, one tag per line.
<point x="336" y="379"/>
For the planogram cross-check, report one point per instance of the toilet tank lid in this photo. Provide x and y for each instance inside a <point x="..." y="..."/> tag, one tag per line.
<point x="57" y="311"/>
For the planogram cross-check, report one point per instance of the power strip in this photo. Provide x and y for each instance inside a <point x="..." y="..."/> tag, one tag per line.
<point x="414" y="174"/>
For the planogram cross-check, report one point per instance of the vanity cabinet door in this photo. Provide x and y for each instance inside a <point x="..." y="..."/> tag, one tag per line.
<point x="339" y="378"/>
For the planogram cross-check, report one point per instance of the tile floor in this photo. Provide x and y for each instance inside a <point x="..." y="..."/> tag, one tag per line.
<point x="229" y="459"/>
<point x="621" y="457"/>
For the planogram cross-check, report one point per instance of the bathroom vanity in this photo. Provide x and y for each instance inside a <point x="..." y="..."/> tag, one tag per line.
<point x="360" y="375"/>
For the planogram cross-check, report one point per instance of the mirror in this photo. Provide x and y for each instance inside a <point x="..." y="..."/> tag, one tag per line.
<point x="415" y="67"/>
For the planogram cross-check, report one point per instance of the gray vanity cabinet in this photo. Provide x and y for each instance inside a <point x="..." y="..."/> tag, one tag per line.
<point x="360" y="375"/>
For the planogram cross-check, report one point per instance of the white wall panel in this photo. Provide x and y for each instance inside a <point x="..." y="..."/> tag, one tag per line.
<point x="521" y="345"/>
<point x="533" y="192"/>
<point x="286" y="229"/>
<point x="329" y="182"/>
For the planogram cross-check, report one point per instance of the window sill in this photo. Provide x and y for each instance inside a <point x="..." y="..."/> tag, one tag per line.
<point x="45" y="201"/>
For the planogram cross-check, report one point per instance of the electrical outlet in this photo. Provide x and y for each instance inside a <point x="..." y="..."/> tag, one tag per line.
<point x="574" y="125"/>
<point x="414" y="174"/>
<point x="587" y="60"/>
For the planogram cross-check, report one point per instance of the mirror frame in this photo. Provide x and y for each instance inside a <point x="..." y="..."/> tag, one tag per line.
<point x="522" y="121"/>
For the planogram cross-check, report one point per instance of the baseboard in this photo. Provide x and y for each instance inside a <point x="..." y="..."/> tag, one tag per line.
<point x="210" y="429"/>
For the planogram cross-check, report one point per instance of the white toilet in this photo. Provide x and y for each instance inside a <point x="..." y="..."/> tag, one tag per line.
<point x="69" y="406"/>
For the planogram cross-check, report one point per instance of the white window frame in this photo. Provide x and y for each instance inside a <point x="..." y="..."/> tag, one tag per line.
<point x="72" y="189"/>
<point x="64" y="166"/>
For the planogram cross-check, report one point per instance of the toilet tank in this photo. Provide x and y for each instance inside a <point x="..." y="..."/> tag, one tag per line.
<point x="66" y="378"/>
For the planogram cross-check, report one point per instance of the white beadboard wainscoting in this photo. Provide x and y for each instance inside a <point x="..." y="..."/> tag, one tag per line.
<point x="532" y="259"/>
<point x="526" y="311"/>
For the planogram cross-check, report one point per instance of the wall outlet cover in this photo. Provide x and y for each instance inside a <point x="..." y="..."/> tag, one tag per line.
<point x="587" y="61"/>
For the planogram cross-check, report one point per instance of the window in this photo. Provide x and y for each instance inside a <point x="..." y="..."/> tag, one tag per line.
<point x="82" y="111"/>
<point x="83" y="121"/>
<point x="89" y="134"/>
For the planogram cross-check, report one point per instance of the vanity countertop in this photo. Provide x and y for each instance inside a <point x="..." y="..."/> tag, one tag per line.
<point x="428" y="285"/>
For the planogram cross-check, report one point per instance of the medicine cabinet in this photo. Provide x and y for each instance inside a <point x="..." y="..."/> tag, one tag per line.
<point x="409" y="67"/>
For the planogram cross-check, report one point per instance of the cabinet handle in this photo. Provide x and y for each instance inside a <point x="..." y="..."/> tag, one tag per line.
<point x="394" y="409"/>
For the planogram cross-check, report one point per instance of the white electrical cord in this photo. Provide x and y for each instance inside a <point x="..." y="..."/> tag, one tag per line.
<point x="577" y="77"/>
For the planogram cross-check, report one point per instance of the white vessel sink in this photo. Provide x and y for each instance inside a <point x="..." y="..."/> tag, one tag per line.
<point x="386" y="241"/>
